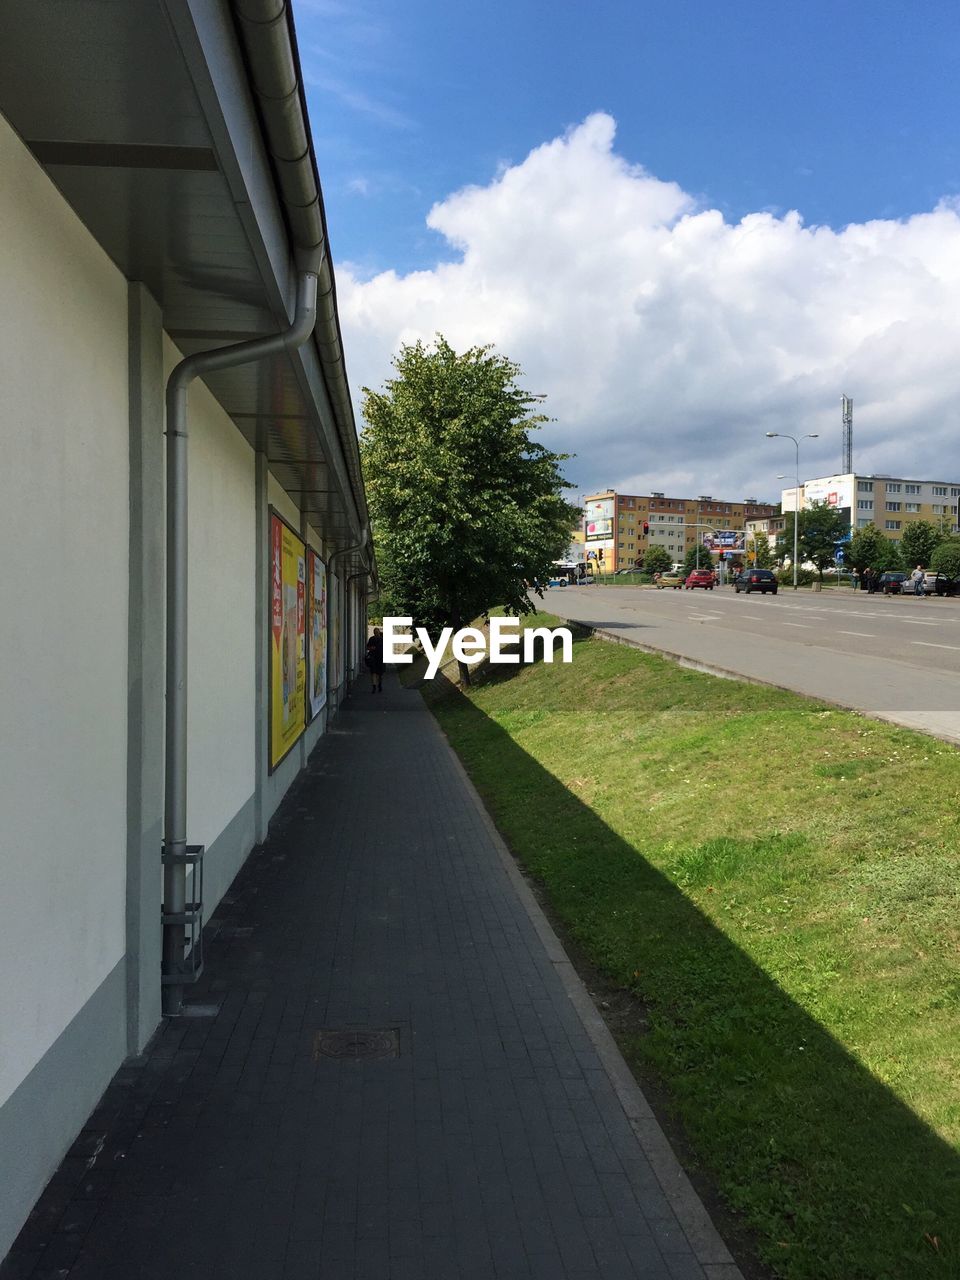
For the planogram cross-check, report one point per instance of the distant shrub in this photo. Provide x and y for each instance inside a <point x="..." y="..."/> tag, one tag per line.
<point x="805" y="577"/>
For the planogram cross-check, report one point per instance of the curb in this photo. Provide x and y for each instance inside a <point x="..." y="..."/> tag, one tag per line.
<point x="704" y="1239"/>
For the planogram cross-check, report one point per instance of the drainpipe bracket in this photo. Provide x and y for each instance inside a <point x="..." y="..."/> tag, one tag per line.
<point x="190" y="919"/>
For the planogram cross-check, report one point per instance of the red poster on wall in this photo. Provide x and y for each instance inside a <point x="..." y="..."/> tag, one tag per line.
<point x="276" y="610"/>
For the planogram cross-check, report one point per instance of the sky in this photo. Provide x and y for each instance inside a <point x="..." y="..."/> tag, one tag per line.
<point x="689" y="223"/>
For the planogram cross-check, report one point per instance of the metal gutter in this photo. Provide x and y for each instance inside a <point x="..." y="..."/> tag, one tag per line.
<point x="269" y="43"/>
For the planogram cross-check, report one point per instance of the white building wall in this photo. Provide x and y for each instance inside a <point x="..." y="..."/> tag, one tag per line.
<point x="278" y="498"/>
<point x="221" y="636"/>
<point x="63" y="622"/>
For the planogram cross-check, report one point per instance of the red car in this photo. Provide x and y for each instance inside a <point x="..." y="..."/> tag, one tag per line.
<point x="701" y="578"/>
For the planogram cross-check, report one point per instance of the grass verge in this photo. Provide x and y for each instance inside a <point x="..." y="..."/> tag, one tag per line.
<point x="778" y="883"/>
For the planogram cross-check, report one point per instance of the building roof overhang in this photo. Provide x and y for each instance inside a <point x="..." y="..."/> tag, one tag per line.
<point x="176" y="130"/>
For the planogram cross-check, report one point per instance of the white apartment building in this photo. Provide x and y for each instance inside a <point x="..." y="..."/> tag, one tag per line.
<point x="889" y="502"/>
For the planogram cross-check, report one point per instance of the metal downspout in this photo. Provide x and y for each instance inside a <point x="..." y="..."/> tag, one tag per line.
<point x="175" y="780"/>
<point x="346" y="551"/>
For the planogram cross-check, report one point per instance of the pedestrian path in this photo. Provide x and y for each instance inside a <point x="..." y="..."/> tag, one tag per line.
<point x="397" y="1075"/>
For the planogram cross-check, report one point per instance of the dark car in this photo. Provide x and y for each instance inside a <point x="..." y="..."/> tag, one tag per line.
<point x="942" y="585"/>
<point x="762" y="580"/>
<point x="891" y="582"/>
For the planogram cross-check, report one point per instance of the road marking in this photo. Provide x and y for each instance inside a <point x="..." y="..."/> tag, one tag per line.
<point x="915" y="622"/>
<point x="927" y="645"/>
<point x="867" y="635"/>
<point x="802" y="625"/>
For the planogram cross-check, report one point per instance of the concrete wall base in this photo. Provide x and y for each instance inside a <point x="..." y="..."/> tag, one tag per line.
<point x="40" y="1119"/>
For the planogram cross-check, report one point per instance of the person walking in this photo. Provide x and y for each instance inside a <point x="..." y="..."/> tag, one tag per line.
<point x="917" y="579"/>
<point x="374" y="660"/>
<point x="869" y="581"/>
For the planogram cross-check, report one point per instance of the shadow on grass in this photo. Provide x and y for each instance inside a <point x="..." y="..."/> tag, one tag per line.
<point x="838" y="1178"/>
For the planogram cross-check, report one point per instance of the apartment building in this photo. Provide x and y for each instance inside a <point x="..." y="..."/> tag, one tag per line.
<point x="889" y="502"/>
<point x="619" y="528"/>
<point x="770" y="527"/>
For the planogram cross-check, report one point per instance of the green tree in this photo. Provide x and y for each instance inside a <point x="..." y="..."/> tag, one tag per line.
<point x="887" y="557"/>
<point x="946" y="558"/>
<point x="821" y="529"/>
<point x="920" y="540"/>
<point x="657" y="559"/>
<point x="690" y="559"/>
<point x="759" y="552"/>
<point x="465" y="506"/>
<point x="865" y="546"/>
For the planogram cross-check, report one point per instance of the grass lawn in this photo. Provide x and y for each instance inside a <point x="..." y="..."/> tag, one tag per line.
<point x="778" y="883"/>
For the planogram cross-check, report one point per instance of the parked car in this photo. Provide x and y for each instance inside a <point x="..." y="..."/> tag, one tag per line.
<point x="891" y="582"/>
<point x="942" y="584"/>
<point x="670" y="579"/>
<point x="762" y="580"/>
<point x="701" y="578"/>
<point x="621" y="572"/>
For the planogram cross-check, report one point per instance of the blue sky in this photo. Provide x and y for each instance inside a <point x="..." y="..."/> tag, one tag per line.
<point x="847" y="113"/>
<point x="843" y="111"/>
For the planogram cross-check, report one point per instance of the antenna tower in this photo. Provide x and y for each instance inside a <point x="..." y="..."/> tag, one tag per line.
<point x="846" y="406"/>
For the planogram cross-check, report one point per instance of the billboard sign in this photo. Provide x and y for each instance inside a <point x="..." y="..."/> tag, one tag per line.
<point x="598" y="519"/>
<point x="835" y="491"/>
<point x="724" y="540"/>
<point x="288" y="658"/>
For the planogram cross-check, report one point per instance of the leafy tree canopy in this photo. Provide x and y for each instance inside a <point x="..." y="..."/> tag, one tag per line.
<point x="690" y="559"/>
<point x="920" y="540"/>
<point x="946" y="558"/>
<point x="657" y="559"/>
<point x="465" y="505"/>
<point x="865" y="546"/>
<point x="759" y="552"/>
<point x="888" y="556"/>
<point x="821" y="529"/>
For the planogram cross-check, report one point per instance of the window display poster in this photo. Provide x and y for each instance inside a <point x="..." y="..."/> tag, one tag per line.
<point x="288" y="659"/>
<point x="336" y="607"/>
<point x="317" y="630"/>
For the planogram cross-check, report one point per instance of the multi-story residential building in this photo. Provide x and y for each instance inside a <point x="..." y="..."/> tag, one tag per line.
<point x="770" y="527"/>
<point x="620" y="527"/>
<point x="889" y="502"/>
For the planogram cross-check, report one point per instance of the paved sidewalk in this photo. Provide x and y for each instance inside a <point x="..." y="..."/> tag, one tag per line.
<point x="499" y="1138"/>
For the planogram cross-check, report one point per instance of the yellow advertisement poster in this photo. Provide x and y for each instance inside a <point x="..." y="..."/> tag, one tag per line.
<point x="318" y="633"/>
<point x="288" y="658"/>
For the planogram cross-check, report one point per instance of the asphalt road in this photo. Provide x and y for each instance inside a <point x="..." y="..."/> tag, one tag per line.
<point x="895" y="657"/>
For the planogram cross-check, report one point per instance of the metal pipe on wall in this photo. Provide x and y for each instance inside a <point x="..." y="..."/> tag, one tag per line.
<point x="175" y="780"/>
<point x="344" y="551"/>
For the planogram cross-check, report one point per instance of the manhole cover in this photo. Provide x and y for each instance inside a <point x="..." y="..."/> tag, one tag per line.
<point x="355" y="1044"/>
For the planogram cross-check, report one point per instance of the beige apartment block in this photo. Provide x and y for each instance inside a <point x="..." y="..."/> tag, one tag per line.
<point x="618" y="528"/>
<point x="891" y="503"/>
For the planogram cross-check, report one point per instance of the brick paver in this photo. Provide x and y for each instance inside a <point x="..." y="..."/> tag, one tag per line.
<point x="497" y="1145"/>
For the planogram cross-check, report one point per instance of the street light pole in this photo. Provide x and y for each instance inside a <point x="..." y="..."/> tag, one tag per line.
<point x="813" y="435"/>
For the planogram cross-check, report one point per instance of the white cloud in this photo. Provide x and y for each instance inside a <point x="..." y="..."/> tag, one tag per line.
<point x="668" y="340"/>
